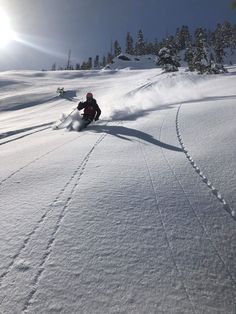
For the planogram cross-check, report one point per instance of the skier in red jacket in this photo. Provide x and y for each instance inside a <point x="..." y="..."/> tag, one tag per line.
<point x="91" y="109"/>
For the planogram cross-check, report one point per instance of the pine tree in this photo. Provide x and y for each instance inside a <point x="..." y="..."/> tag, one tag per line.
<point x="200" y="60"/>
<point x="167" y="59"/>
<point x="210" y="38"/>
<point x="182" y="38"/>
<point x="233" y="45"/>
<point x="187" y="37"/>
<point x="150" y="48"/>
<point x="87" y="65"/>
<point x="189" y="58"/>
<point x="77" y="66"/>
<point x="90" y="63"/>
<point x="140" y="44"/>
<point x="84" y="66"/>
<point x="53" y="68"/>
<point x="96" y="62"/>
<point x="156" y="47"/>
<point x="117" y="48"/>
<point x="227" y="33"/>
<point x="129" y="44"/>
<point x="104" y="61"/>
<point x="109" y="58"/>
<point x="170" y="43"/>
<point x="218" y="44"/>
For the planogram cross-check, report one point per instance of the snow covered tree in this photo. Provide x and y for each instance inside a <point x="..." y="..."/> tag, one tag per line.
<point x="218" y="44"/>
<point x="178" y="39"/>
<point x="226" y="34"/>
<point x="200" y="60"/>
<point x="129" y="44"/>
<point x="189" y="58"/>
<point x="170" y="43"/>
<point x="117" y="48"/>
<point x="210" y="38"/>
<point x="167" y="59"/>
<point x="233" y="44"/>
<point x="182" y="38"/>
<point x="140" y="44"/>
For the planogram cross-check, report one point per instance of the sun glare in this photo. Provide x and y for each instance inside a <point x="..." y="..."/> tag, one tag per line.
<point x="6" y="32"/>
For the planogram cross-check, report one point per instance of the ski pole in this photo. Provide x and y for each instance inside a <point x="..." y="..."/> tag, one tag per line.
<point x="57" y="126"/>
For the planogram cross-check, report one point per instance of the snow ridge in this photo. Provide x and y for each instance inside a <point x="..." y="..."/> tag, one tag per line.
<point x="208" y="183"/>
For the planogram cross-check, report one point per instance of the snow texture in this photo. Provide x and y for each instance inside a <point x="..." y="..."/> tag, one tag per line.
<point x="136" y="213"/>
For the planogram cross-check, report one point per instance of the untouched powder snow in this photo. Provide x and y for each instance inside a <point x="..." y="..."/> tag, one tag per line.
<point x="135" y="214"/>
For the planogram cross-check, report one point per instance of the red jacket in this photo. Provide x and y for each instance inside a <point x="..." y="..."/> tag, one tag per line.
<point x="91" y="109"/>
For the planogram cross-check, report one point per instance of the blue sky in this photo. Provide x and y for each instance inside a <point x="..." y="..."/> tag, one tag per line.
<point x="87" y="27"/>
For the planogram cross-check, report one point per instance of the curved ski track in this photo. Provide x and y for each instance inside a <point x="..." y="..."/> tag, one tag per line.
<point x="64" y="197"/>
<point x="233" y="280"/>
<point x="207" y="235"/>
<point x="204" y="178"/>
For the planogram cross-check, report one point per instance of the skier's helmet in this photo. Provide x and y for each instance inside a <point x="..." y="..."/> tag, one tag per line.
<point x="89" y="96"/>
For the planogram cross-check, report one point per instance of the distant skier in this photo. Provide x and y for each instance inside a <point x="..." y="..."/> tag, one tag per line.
<point x="91" y="110"/>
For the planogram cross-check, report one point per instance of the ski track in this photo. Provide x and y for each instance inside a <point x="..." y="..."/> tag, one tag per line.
<point x="44" y="216"/>
<point x="15" y="132"/>
<point x="78" y="172"/>
<point x="144" y="86"/>
<point x="37" y="159"/>
<point x="50" y="206"/>
<point x="165" y="230"/>
<point x="65" y="193"/>
<point x="233" y="280"/>
<point x="22" y="136"/>
<point x="204" y="178"/>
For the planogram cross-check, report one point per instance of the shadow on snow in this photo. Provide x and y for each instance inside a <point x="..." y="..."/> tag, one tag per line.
<point x="125" y="133"/>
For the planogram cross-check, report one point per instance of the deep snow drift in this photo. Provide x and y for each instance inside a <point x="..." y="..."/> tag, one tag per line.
<point x="133" y="215"/>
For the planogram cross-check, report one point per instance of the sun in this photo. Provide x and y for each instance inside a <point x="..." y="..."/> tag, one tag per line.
<point x="6" y="32"/>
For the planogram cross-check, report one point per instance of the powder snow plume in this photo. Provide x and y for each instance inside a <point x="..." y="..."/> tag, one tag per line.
<point x="162" y="90"/>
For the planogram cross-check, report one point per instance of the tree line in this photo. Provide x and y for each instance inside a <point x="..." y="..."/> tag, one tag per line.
<point x="203" y="49"/>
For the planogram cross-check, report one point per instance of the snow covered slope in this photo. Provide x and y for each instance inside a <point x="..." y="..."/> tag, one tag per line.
<point x="127" y="61"/>
<point x="133" y="215"/>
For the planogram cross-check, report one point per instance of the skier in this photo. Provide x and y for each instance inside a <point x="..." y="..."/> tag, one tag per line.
<point x="91" y="110"/>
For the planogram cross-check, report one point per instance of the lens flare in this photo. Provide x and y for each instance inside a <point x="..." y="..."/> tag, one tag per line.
<point x="6" y="32"/>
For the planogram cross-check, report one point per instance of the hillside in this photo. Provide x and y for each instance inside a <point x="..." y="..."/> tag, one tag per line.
<point x="135" y="214"/>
